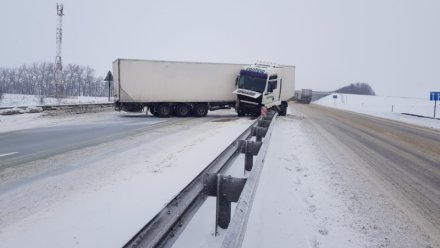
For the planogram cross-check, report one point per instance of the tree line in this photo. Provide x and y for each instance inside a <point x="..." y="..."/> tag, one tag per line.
<point x="39" y="79"/>
<point x="358" y="89"/>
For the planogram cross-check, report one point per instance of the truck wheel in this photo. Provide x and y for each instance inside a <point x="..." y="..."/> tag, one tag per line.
<point x="152" y="110"/>
<point x="200" y="110"/>
<point x="283" y="112"/>
<point x="182" y="110"/>
<point x="163" y="110"/>
<point x="283" y="109"/>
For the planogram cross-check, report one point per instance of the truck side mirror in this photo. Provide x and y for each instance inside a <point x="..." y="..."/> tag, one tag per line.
<point x="236" y="81"/>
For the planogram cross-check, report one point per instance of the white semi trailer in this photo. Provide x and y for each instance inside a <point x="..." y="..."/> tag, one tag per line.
<point x="304" y="96"/>
<point x="187" y="88"/>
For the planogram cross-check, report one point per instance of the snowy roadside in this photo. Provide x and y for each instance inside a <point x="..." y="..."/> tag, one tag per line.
<point x="386" y="107"/>
<point x="45" y="119"/>
<point x="18" y="100"/>
<point x="10" y="123"/>
<point x="311" y="194"/>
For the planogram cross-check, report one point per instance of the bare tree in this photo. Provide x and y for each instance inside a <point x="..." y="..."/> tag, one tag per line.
<point x="38" y="79"/>
<point x="357" y="88"/>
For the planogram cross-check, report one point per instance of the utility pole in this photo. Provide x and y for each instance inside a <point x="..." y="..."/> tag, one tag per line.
<point x="58" y="67"/>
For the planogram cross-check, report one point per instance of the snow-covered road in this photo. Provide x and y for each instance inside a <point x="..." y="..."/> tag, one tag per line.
<point x="317" y="189"/>
<point x="325" y="187"/>
<point x="102" y="195"/>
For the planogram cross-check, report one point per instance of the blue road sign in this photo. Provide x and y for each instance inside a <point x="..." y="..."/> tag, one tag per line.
<point x="434" y="96"/>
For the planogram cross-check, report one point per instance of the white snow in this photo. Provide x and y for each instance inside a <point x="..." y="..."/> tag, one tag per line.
<point x="18" y="100"/>
<point x="295" y="204"/>
<point x="101" y="196"/>
<point x="33" y="120"/>
<point x="310" y="195"/>
<point x="386" y="107"/>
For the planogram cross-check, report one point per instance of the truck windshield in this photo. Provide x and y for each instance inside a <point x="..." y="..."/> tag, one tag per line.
<point x="252" y="83"/>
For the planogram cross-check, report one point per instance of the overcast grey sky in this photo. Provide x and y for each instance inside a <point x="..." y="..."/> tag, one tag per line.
<point x="394" y="45"/>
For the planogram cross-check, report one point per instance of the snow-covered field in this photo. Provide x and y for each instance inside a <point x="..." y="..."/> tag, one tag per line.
<point x="386" y="107"/>
<point x="17" y="100"/>
<point x="110" y="191"/>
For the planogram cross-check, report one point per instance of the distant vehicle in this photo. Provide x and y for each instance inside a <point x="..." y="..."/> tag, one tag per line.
<point x="183" y="89"/>
<point x="304" y="96"/>
<point x="297" y="95"/>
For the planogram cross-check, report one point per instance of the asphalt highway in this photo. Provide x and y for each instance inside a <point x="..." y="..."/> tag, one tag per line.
<point x="18" y="147"/>
<point x="403" y="159"/>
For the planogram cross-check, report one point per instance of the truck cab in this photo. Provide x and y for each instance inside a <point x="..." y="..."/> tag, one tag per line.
<point x="257" y="86"/>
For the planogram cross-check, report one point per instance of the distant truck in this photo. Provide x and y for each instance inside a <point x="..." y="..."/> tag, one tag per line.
<point x="303" y="96"/>
<point x="168" y="88"/>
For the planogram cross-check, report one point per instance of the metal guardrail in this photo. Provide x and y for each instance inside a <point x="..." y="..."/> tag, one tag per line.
<point x="237" y="229"/>
<point x="421" y="116"/>
<point x="63" y="106"/>
<point x="164" y="229"/>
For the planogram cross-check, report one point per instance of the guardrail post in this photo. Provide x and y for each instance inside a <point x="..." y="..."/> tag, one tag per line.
<point x="234" y="235"/>
<point x="263" y="123"/>
<point x="248" y="161"/>
<point x="223" y="210"/>
<point x="250" y="149"/>
<point x="259" y="132"/>
<point x="227" y="189"/>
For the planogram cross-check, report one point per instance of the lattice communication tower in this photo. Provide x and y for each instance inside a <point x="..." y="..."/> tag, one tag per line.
<point x="59" y="82"/>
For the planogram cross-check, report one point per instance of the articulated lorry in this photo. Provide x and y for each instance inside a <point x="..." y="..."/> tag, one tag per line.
<point x="168" y="88"/>
<point x="304" y="96"/>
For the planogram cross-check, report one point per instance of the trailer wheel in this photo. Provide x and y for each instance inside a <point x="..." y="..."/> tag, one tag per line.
<point x="152" y="110"/>
<point x="240" y="112"/>
<point x="200" y="110"/>
<point x="182" y="110"/>
<point x="283" y="109"/>
<point x="163" y="110"/>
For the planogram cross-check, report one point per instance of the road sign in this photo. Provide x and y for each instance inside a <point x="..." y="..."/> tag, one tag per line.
<point x="109" y="77"/>
<point x="434" y="96"/>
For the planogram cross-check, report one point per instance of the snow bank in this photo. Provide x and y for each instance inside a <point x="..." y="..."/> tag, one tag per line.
<point x="10" y="123"/>
<point x="386" y="107"/>
<point x="17" y="100"/>
<point x="16" y="110"/>
<point x="12" y="111"/>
